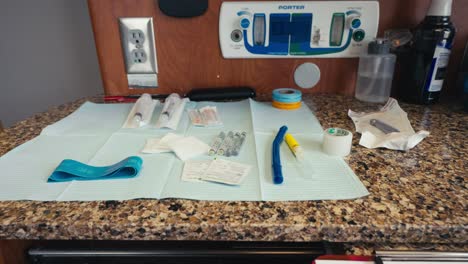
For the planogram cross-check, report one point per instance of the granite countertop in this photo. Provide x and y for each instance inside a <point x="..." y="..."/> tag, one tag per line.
<point x="418" y="196"/>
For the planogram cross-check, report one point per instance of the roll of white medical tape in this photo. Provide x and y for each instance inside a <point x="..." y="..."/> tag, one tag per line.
<point x="337" y="142"/>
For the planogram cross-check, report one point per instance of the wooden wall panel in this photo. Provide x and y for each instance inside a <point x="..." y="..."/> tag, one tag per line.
<point x="189" y="55"/>
<point x="14" y="251"/>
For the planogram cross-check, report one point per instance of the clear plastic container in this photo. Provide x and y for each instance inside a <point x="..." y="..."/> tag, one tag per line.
<point x="375" y="73"/>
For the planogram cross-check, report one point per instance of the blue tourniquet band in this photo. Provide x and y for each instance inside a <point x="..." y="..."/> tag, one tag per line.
<point x="72" y="170"/>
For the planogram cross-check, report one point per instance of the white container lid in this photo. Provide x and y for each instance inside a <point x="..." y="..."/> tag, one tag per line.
<point x="440" y="8"/>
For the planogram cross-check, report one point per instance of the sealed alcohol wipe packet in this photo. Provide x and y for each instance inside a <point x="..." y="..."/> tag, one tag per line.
<point x="205" y="116"/>
<point x="388" y="128"/>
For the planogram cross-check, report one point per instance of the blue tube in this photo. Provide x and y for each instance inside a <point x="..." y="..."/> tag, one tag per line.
<point x="276" y="160"/>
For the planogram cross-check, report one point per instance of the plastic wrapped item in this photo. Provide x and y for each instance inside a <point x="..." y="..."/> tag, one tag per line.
<point x="210" y="116"/>
<point x="216" y="143"/>
<point x="141" y="113"/>
<point x="226" y="145"/>
<point x="396" y="134"/>
<point x="205" y="116"/>
<point x="171" y="112"/>
<point x="239" y="139"/>
<point x="195" y="117"/>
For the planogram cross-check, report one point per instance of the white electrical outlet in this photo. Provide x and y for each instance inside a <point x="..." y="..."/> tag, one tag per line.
<point x="138" y="45"/>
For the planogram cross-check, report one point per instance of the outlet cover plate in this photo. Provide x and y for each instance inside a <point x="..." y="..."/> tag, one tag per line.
<point x="137" y="37"/>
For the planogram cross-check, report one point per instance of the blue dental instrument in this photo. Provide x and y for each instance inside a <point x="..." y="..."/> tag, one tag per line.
<point x="276" y="160"/>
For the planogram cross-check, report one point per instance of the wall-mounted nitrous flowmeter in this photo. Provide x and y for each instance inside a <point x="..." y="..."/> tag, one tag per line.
<point x="297" y="29"/>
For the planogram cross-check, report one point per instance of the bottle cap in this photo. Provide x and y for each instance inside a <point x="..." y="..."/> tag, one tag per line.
<point x="379" y="46"/>
<point x="440" y="8"/>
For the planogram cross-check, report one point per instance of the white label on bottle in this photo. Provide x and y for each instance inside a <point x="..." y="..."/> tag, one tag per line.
<point x="439" y="67"/>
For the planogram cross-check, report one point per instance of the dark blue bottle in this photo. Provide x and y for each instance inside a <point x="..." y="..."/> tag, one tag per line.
<point x="423" y="65"/>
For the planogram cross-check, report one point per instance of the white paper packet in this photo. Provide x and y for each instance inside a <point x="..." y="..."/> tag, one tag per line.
<point x="227" y="172"/>
<point x="188" y="147"/>
<point x="184" y="147"/>
<point x="159" y="145"/>
<point x="194" y="170"/>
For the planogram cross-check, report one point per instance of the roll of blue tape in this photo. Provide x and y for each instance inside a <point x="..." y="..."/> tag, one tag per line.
<point x="287" y="95"/>
<point x="72" y="170"/>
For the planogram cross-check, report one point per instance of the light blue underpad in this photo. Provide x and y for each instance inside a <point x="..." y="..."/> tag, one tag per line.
<point x="93" y="135"/>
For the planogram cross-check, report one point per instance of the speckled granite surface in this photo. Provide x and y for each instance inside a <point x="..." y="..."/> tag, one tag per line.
<point x="415" y="197"/>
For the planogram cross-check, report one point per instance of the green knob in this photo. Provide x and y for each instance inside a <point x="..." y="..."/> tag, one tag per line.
<point x="359" y="35"/>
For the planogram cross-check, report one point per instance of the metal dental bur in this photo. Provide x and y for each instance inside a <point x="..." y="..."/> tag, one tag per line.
<point x="384" y="127"/>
